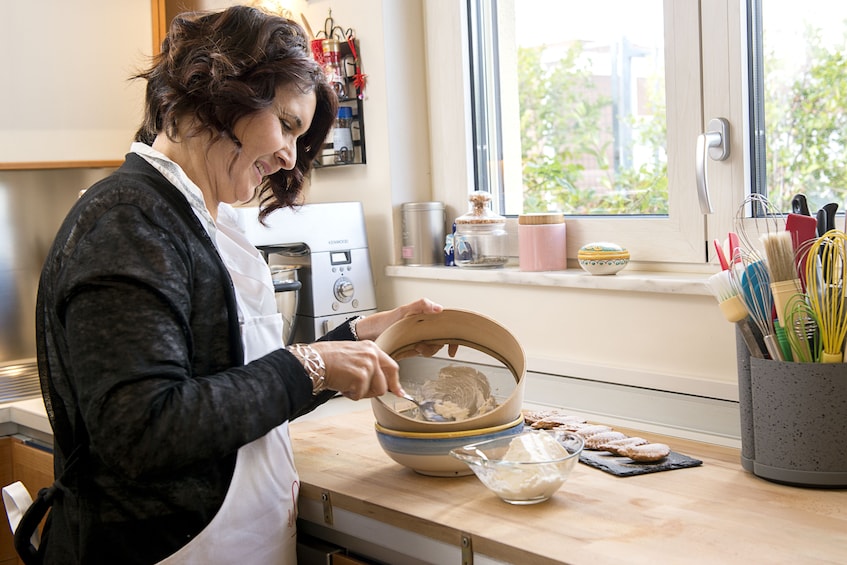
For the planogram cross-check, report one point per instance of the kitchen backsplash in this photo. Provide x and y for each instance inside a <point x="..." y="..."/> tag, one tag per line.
<point x="32" y="206"/>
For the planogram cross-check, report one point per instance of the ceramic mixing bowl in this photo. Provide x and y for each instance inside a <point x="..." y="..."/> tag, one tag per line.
<point x="467" y="329"/>
<point x="428" y="453"/>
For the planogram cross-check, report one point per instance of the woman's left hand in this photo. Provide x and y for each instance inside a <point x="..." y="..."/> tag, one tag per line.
<point x="372" y="326"/>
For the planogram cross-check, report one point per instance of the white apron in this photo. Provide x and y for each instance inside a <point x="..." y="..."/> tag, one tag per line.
<point x="256" y="525"/>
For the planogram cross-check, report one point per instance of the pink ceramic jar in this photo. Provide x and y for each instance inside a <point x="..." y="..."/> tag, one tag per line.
<point x="541" y="242"/>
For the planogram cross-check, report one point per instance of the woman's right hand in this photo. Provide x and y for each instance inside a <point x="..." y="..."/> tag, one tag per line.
<point x="358" y="369"/>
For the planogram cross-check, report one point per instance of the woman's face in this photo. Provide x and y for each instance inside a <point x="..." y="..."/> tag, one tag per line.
<point x="268" y="144"/>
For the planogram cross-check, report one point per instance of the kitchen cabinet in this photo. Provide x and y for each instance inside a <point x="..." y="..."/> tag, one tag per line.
<point x="21" y="460"/>
<point x="67" y="100"/>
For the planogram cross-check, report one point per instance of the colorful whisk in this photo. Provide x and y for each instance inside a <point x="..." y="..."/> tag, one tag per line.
<point x="826" y="277"/>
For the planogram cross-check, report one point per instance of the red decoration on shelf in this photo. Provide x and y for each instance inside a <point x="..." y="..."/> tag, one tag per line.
<point x="359" y="77"/>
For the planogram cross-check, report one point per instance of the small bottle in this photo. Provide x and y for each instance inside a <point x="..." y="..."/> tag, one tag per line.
<point x="332" y="67"/>
<point x="342" y="136"/>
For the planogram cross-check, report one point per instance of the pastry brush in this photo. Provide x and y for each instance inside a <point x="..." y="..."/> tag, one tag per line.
<point x="785" y="281"/>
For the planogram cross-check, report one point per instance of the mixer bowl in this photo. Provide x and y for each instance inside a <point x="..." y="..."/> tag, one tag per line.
<point x="464" y="328"/>
<point x="287" y="287"/>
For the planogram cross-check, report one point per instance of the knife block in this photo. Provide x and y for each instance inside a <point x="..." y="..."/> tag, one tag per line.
<point x="792" y="420"/>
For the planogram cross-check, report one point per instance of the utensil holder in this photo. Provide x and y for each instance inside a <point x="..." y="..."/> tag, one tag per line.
<point x="792" y="420"/>
<point x="745" y="403"/>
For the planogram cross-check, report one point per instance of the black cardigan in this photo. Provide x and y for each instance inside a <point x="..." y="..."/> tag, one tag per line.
<point x="140" y="358"/>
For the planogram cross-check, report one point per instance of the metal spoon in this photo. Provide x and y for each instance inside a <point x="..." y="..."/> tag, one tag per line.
<point x="427" y="409"/>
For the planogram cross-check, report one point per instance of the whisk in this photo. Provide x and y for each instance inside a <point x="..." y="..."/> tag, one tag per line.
<point x="801" y="329"/>
<point x="826" y="288"/>
<point x="766" y="219"/>
<point x="752" y="283"/>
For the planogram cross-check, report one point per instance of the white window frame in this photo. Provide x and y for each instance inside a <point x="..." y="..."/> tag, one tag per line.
<point x="701" y="84"/>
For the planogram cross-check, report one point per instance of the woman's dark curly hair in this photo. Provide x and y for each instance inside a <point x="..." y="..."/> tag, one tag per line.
<point x="220" y="67"/>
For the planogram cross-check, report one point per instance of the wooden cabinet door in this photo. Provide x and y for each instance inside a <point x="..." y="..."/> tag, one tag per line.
<point x="34" y="468"/>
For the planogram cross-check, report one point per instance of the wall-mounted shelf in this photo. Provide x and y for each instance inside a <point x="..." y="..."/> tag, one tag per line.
<point x="351" y="99"/>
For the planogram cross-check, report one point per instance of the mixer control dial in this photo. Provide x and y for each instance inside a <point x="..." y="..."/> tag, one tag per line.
<point x="343" y="289"/>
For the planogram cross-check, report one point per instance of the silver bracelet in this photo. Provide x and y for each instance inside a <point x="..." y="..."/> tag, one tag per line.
<point x="352" y="325"/>
<point x="313" y="363"/>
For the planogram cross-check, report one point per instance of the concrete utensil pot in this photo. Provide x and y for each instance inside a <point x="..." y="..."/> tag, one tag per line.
<point x="287" y="294"/>
<point x="792" y="418"/>
<point x="468" y="329"/>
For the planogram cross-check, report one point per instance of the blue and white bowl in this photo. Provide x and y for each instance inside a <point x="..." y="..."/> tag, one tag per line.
<point x="428" y="453"/>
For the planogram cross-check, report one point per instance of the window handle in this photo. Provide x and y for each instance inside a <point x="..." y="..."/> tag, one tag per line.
<point x="716" y="143"/>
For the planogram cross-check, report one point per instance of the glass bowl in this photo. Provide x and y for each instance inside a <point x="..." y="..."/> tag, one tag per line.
<point x="526" y="468"/>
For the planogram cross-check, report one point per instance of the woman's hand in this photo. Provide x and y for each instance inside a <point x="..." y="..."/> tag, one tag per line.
<point x="358" y="369"/>
<point x="372" y="326"/>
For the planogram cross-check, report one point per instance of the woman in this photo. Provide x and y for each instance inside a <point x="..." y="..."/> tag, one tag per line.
<point x="159" y="345"/>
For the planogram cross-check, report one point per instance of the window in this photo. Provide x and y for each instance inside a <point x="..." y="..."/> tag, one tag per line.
<point x="672" y="231"/>
<point x="651" y="76"/>
<point x="589" y="99"/>
<point x="800" y="95"/>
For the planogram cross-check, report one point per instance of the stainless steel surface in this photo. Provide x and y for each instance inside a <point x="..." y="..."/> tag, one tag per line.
<point x="329" y="243"/>
<point x="287" y="287"/>
<point x="19" y="381"/>
<point x="32" y="206"/>
<point x="423" y="233"/>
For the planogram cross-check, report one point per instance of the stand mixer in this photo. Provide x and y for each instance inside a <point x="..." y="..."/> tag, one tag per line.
<point x="327" y="244"/>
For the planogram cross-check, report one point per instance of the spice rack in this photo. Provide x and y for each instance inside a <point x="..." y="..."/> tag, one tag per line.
<point x="352" y="99"/>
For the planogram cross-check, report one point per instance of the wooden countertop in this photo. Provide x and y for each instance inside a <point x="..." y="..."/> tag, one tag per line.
<point x="714" y="513"/>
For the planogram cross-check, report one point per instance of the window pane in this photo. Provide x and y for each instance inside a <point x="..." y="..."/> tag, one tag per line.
<point x="591" y="102"/>
<point x="675" y="230"/>
<point x="803" y="82"/>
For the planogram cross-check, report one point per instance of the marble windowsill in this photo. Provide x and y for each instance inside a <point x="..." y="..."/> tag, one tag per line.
<point x="628" y="280"/>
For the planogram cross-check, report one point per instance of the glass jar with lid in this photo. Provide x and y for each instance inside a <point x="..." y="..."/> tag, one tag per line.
<point x="481" y="240"/>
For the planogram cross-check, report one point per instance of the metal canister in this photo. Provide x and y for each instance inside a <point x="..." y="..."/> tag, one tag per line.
<point x="423" y="233"/>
